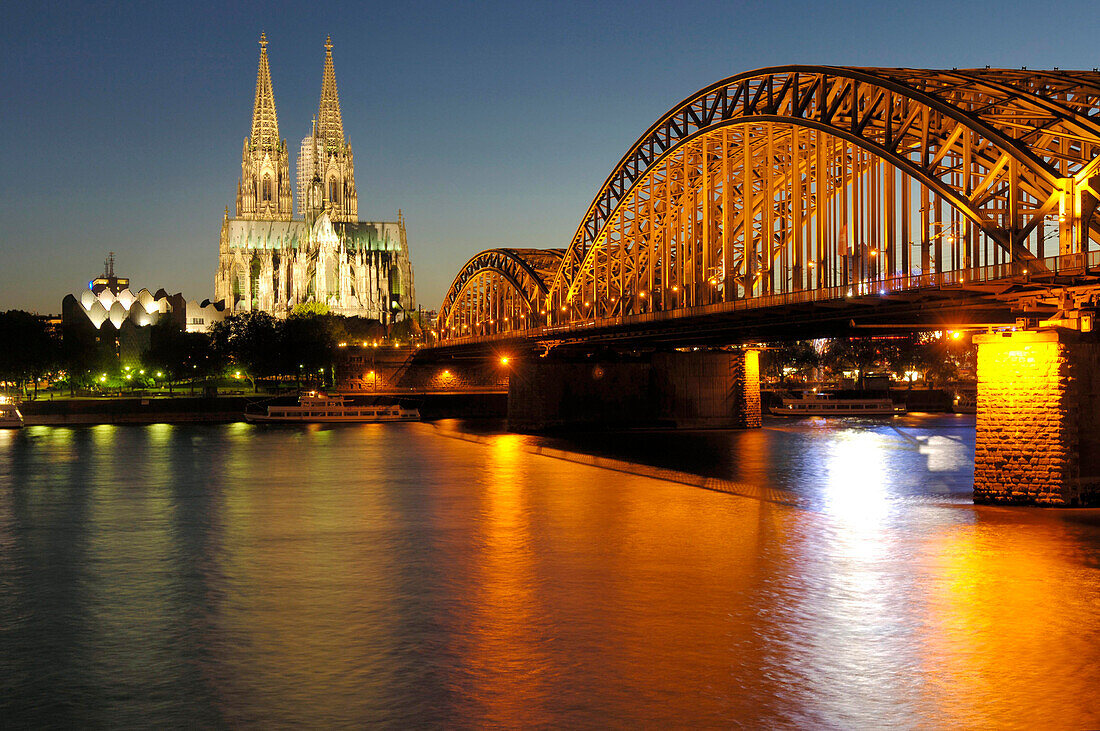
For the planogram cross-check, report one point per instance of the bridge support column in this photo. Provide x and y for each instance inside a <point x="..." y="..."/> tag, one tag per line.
<point x="1038" y="435"/>
<point x="697" y="390"/>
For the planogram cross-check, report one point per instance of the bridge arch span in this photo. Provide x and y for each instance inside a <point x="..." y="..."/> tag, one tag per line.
<point x="798" y="178"/>
<point x="498" y="290"/>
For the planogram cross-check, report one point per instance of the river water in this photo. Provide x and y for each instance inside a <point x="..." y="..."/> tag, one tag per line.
<point x="236" y="575"/>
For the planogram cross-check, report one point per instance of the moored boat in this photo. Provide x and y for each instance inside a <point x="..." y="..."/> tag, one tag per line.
<point x="10" y="416"/>
<point x="320" y="408"/>
<point x="820" y="404"/>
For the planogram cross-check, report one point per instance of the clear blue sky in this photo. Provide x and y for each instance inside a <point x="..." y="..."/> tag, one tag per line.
<point x="488" y="123"/>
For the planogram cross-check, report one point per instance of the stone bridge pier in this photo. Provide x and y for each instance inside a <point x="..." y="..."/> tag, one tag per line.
<point x="683" y="390"/>
<point x="1038" y="430"/>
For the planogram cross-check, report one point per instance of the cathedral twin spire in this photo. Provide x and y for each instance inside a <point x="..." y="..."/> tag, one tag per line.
<point x="265" y="123"/>
<point x="326" y="177"/>
<point x="330" y="126"/>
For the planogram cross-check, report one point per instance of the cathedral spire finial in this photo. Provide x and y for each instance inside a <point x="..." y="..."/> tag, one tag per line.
<point x="265" y="123"/>
<point x="330" y="125"/>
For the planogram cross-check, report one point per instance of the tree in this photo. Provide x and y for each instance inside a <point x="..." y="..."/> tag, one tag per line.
<point x="859" y="354"/>
<point x="801" y="355"/>
<point x="250" y="341"/>
<point x="79" y="353"/>
<point x="29" y="351"/>
<point x="310" y="343"/>
<point x="940" y="355"/>
<point x="180" y="354"/>
<point x="362" y="329"/>
<point x="406" y="329"/>
<point x="309" y="309"/>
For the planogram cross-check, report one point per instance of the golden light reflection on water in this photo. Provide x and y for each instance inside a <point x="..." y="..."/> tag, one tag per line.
<point x="999" y="641"/>
<point x="261" y="576"/>
<point x="501" y="635"/>
<point x="159" y="435"/>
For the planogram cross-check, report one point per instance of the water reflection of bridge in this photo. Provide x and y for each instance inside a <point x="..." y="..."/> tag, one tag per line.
<point x="791" y="201"/>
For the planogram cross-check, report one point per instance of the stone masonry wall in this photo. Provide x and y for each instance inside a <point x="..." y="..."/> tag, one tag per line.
<point x="746" y="381"/>
<point x="1037" y="400"/>
<point x="684" y="390"/>
<point x="366" y="370"/>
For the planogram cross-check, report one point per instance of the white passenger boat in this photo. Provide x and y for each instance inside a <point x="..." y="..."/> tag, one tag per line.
<point x="320" y="408"/>
<point x="821" y="404"/>
<point x="10" y="417"/>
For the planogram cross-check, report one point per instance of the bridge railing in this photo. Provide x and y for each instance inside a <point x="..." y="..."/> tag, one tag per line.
<point x="1036" y="269"/>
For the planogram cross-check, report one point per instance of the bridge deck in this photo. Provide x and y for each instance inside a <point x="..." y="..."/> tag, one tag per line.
<point x="985" y="295"/>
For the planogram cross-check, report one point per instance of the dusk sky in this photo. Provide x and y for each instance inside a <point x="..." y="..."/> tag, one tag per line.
<point x="489" y="124"/>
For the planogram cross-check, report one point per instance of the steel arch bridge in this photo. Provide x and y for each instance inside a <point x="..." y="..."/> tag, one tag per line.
<point x="806" y="183"/>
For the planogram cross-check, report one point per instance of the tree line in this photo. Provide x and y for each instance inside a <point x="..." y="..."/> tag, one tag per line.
<point x="938" y="356"/>
<point x="253" y="346"/>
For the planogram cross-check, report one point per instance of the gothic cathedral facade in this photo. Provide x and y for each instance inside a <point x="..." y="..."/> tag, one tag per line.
<point x="269" y="260"/>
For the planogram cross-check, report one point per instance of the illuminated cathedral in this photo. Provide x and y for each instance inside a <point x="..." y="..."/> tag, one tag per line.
<point x="270" y="260"/>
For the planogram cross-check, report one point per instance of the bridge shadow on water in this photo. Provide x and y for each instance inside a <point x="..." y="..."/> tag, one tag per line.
<point x="812" y="463"/>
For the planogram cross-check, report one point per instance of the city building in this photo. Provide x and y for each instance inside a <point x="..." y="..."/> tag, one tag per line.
<point x="109" y="314"/>
<point x="270" y="260"/>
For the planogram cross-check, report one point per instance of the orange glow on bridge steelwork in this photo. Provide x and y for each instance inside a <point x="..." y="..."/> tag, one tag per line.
<point x="815" y="183"/>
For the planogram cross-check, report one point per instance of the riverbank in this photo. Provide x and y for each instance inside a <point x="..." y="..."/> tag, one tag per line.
<point x="173" y="410"/>
<point x="224" y="409"/>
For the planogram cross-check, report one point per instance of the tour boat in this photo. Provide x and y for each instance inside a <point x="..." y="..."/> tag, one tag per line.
<point x="321" y="408"/>
<point x="820" y="404"/>
<point x="10" y="418"/>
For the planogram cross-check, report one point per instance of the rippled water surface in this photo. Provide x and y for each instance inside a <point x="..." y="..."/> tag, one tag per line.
<point x="391" y="573"/>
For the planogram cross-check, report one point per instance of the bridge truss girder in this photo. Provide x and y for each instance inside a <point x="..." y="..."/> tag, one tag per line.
<point x="498" y="290"/>
<point x="799" y="178"/>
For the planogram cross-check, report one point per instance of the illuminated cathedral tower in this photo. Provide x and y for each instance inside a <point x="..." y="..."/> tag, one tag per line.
<point x="264" y="189"/>
<point x="269" y="261"/>
<point x="326" y="168"/>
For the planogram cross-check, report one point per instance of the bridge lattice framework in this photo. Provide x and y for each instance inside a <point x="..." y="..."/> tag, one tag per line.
<point x="798" y="179"/>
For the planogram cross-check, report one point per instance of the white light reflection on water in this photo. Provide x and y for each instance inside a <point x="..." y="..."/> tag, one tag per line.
<point x="856" y="492"/>
<point x="843" y="608"/>
<point x="263" y="576"/>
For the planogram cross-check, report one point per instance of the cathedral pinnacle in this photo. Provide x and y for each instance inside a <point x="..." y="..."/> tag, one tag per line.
<point x="265" y="123"/>
<point x="263" y="192"/>
<point x="330" y="125"/>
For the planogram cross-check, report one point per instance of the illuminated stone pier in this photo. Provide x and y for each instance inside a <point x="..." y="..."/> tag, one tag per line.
<point x="1038" y="433"/>
<point x="683" y="390"/>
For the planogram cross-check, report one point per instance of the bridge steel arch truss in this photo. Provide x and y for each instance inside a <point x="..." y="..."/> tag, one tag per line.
<point x="800" y="178"/>
<point x="499" y="290"/>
